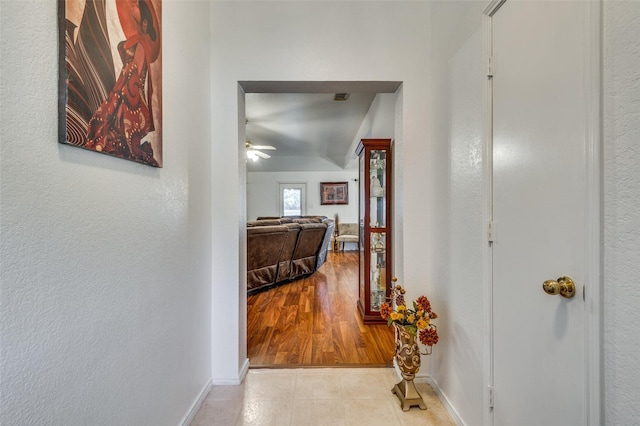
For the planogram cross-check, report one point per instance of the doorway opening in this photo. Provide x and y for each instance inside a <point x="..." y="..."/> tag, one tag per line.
<point x="312" y="321"/>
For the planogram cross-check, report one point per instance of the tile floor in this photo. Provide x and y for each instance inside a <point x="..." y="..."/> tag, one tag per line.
<point x="322" y="396"/>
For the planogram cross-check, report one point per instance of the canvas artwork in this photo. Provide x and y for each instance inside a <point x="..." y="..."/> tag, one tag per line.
<point x="334" y="193"/>
<point x="111" y="77"/>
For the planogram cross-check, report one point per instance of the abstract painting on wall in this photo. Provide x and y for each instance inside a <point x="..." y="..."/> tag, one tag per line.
<point x="110" y="86"/>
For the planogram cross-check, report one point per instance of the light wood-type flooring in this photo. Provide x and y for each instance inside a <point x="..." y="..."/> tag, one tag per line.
<point x="315" y="322"/>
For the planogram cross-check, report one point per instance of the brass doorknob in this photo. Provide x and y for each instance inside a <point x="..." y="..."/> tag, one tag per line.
<point x="564" y="286"/>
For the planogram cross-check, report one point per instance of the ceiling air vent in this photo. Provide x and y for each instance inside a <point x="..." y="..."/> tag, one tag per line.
<point x="341" y="97"/>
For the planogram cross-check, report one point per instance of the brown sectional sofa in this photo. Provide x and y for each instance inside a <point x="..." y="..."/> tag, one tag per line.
<point x="280" y="250"/>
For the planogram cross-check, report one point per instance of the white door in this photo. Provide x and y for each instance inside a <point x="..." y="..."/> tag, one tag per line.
<point x="292" y="199"/>
<point x="540" y="121"/>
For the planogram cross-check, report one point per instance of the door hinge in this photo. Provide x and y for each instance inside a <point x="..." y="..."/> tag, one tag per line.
<point x="490" y="396"/>
<point x="490" y="231"/>
<point x="490" y="66"/>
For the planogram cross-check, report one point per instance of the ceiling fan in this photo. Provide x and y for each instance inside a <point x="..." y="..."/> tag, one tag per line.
<point x="253" y="152"/>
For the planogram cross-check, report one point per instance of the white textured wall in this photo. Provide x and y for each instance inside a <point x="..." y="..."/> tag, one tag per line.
<point x="105" y="263"/>
<point x="262" y="193"/>
<point x="622" y="211"/>
<point x="308" y="41"/>
<point x="457" y="267"/>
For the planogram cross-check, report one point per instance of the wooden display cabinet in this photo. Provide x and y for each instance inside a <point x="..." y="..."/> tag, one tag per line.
<point x="375" y="191"/>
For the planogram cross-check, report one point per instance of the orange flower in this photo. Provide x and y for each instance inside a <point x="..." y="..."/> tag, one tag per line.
<point x="385" y="311"/>
<point x="429" y="336"/>
<point x="423" y="303"/>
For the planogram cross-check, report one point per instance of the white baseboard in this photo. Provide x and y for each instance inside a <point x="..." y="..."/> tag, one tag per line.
<point x="233" y="382"/>
<point x="445" y="402"/>
<point x="193" y="410"/>
<point x="244" y="370"/>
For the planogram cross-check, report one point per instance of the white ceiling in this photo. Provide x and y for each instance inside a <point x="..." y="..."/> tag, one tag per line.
<point x="310" y="130"/>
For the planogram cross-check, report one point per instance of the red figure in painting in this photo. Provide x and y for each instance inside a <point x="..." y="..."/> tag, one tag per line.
<point x="120" y="123"/>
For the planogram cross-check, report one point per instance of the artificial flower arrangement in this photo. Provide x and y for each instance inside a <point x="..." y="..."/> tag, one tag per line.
<point x="416" y="321"/>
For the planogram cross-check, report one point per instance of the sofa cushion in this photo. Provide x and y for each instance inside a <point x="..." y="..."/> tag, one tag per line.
<point x="309" y="242"/>
<point x="324" y="246"/>
<point x="264" y="222"/>
<point x="264" y="247"/>
<point x="284" y="264"/>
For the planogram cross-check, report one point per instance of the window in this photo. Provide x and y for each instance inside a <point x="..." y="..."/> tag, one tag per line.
<point x="292" y="199"/>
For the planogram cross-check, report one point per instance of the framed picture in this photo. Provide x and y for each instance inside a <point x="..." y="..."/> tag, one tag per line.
<point x="110" y="77"/>
<point x="334" y="193"/>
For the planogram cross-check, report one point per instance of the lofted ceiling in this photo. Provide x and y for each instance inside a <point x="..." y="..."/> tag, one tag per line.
<point x="309" y="129"/>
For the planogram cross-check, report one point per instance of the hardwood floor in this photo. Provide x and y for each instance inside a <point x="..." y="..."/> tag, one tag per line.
<point x="315" y="322"/>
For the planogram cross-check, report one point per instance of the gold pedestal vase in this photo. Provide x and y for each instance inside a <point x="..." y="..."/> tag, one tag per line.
<point x="408" y="360"/>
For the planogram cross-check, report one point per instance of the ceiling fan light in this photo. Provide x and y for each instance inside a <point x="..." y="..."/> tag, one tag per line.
<point x="251" y="155"/>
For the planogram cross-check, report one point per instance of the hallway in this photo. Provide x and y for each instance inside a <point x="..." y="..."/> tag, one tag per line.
<point x="318" y="396"/>
<point x="122" y="287"/>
